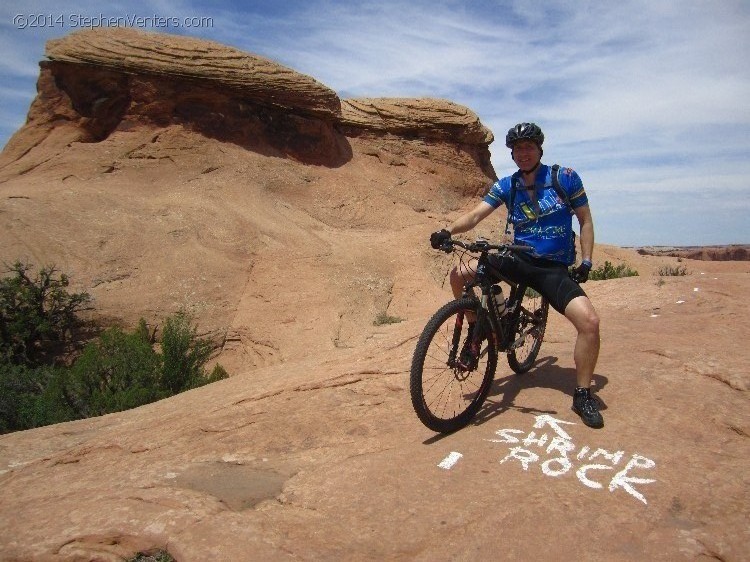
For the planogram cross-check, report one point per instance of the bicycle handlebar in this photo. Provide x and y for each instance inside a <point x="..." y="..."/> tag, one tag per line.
<point x="483" y="246"/>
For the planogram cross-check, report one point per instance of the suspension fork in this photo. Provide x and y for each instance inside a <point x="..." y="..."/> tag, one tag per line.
<point x="477" y="335"/>
<point x="456" y="340"/>
<point x="479" y="324"/>
<point x="487" y="323"/>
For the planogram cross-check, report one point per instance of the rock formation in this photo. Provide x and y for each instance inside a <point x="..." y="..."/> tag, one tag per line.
<point x="734" y="252"/>
<point x="99" y="81"/>
<point x="117" y="105"/>
<point x="203" y="62"/>
<point x="427" y="118"/>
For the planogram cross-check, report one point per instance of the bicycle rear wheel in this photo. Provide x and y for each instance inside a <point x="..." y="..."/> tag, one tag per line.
<point x="445" y="395"/>
<point x="529" y="332"/>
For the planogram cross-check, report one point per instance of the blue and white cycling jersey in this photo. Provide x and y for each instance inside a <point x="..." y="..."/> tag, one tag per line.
<point x="548" y="225"/>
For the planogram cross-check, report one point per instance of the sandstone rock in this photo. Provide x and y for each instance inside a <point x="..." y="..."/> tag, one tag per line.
<point x="103" y="80"/>
<point x="106" y="115"/>
<point x="416" y="117"/>
<point x="137" y="52"/>
<point x="734" y="252"/>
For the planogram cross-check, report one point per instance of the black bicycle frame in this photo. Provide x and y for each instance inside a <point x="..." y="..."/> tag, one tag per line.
<point x="501" y="328"/>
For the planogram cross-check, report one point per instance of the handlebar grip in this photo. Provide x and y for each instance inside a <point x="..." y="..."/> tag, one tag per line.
<point x="482" y="246"/>
<point x="520" y="248"/>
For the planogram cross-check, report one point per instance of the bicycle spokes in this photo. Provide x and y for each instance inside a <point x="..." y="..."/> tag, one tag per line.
<point x="529" y="333"/>
<point x="446" y="389"/>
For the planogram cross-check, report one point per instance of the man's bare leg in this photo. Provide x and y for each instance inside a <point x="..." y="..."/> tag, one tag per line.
<point x="460" y="275"/>
<point x="582" y="315"/>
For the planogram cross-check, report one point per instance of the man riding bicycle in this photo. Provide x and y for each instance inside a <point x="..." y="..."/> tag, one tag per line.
<point x="541" y="201"/>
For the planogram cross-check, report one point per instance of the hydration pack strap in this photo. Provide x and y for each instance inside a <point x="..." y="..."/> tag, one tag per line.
<point x="516" y="185"/>
<point x="558" y="188"/>
<point x="515" y="181"/>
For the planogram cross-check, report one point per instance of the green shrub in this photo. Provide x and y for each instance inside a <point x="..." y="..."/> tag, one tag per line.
<point x="116" y="372"/>
<point x="159" y="556"/>
<point x="669" y="271"/>
<point x="183" y="354"/>
<point x="385" y="318"/>
<point x="36" y="312"/>
<point x="120" y="371"/>
<point x="30" y="397"/>
<point x="609" y="271"/>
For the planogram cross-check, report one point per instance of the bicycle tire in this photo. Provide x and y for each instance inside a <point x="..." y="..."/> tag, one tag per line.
<point x="446" y="398"/>
<point x="531" y="324"/>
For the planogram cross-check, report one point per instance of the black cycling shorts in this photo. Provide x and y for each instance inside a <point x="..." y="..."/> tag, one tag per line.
<point x="549" y="278"/>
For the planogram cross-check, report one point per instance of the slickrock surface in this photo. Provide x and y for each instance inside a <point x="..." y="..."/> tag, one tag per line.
<point x="288" y="235"/>
<point x="734" y="252"/>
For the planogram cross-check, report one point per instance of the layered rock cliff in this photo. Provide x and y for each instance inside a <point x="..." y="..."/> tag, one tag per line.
<point x="100" y="81"/>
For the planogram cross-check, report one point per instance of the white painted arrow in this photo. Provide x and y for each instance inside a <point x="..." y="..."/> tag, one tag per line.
<point x="553" y="423"/>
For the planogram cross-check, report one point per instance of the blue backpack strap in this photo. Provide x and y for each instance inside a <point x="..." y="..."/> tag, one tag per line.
<point x="514" y="183"/>
<point x="558" y="188"/>
<point x="564" y="196"/>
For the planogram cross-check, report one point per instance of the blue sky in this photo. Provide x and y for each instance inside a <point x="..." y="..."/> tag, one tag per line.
<point x="648" y="101"/>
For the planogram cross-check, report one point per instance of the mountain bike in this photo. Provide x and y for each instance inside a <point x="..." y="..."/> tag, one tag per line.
<point x="454" y="365"/>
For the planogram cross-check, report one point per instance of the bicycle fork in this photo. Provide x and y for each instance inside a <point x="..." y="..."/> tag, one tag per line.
<point x="469" y="361"/>
<point x="456" y="339"/>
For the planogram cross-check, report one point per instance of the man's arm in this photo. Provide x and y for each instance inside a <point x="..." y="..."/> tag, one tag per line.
<point x="586" y="221"/>
<point x="469" y="220"/>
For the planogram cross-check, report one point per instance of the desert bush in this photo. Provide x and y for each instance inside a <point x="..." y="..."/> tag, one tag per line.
<point x="159" y="556"/>
<point x="117" y="371"/>
<point x="36" y="311"/>
<point x="30" y="397"/>
<point x="609" y="271"/>
<point x="183" y="355"/>
<point x="384" y="318"/>
<point x="122" y="370"/>
<point x="669" y="271"/>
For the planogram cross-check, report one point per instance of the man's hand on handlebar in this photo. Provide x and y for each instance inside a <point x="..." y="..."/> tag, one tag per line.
<point x="441" y="240"/>
<point x="437" y="239"/>
<point x="580" y="274"/>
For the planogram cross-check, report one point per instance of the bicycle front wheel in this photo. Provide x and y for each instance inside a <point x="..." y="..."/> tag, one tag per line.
<point x="447" y="392"/>
<point x="529" y="332"/>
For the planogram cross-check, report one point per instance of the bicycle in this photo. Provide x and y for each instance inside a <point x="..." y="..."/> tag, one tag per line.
<point x="449" y="381"/>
